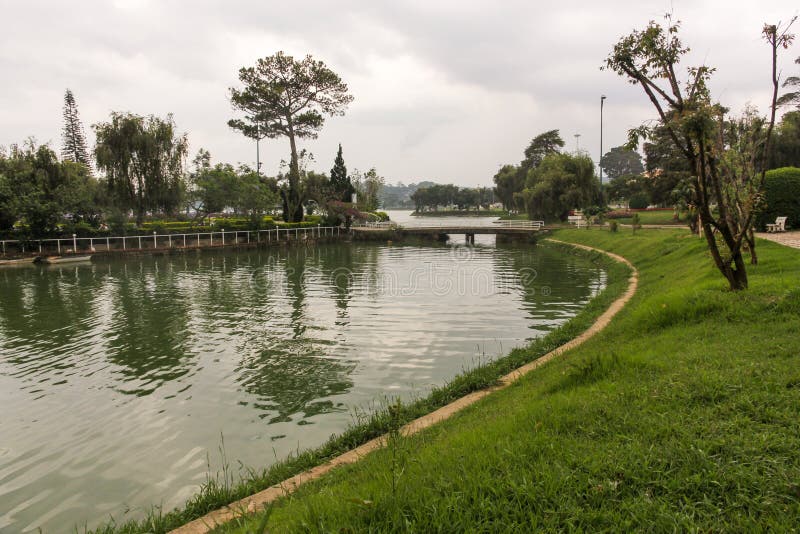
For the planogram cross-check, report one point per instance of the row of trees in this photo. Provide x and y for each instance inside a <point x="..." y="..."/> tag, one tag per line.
<point x="664" y="179"/>
<point x="435" y="196"/>
<point x="141" y="161"/>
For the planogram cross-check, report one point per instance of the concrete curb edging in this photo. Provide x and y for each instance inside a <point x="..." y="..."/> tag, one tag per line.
<point x="258" y="500"/>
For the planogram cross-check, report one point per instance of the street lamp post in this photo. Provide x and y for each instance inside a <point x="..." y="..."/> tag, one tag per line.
<point x="258" y="152"/>
<point x="600" y="162"/>
<point x="577" y="143"/>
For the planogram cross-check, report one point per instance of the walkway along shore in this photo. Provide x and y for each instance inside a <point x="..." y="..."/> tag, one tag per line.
<point x="257" y="501"/>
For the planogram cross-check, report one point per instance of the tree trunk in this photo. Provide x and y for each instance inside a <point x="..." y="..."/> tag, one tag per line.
<point x="751" y="245"/>
<point x="294" y="203"/>
<point x="736" y="277"/>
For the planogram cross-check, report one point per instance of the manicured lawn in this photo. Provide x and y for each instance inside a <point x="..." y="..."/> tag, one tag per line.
<point x="656" y="217"/>
<point x="683" y="415"/>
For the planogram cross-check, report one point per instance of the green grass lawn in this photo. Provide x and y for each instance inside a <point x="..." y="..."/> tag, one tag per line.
<point x="656" y="217"/>
<point x="683" y="415"/>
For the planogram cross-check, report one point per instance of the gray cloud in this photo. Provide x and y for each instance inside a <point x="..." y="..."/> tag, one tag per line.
<point x="444" y="90"/>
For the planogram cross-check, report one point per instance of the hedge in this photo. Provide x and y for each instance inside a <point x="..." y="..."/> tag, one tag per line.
<point x="781" y="197"/>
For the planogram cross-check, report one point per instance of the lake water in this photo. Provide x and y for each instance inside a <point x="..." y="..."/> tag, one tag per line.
<point x="120" y="378"/>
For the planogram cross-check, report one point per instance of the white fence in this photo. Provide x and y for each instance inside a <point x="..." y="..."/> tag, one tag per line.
<point x="538" y="225"/>
<point x="75" y="245"/>
<point x="376" y="224"/>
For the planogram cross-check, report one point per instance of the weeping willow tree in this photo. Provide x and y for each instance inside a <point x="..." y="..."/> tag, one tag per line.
<point x="142" y="158"/>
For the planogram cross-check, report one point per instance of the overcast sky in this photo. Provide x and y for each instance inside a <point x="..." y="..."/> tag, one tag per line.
<point x="444" y="90"/>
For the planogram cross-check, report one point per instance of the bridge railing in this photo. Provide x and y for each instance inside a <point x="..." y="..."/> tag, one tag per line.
<point x="520" y="224"/>
<point x="445" y="225"/>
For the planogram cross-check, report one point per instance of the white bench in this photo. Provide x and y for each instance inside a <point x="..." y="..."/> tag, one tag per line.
<point x="779" y="226"/>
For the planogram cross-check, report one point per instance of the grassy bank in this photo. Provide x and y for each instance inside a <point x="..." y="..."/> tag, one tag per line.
<point x="661" y="217"/>
<point x="683" y="415"/>
<point x="222" y="489"/>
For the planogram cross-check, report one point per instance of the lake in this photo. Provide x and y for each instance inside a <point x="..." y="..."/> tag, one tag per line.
<point x="120" y="379"/>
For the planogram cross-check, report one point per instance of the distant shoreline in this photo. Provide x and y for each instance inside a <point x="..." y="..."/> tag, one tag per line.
<point x="460" y="213"/>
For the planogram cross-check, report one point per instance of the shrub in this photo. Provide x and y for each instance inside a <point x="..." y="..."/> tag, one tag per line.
<point x="636" y="222"/>
<point x="613" y="226"/>
<point x="781" y="197"/>
<point x="618" y="214"/>
<point x="638" y="201"/>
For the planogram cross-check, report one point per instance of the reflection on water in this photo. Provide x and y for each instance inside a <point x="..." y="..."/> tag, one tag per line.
<point x="118" y="378"/>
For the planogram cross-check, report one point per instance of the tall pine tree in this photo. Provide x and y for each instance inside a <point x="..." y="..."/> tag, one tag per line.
<point x="74" y="138"/>
<point x="340" y="182"/>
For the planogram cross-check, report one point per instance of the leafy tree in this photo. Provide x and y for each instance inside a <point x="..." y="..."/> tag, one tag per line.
<point x="341" y="185"/>
<point x="73" y="136"/>
<point x="507" y="181"/>
<point x="740" y="166"/>
<point x="43" y="191"/>
<point x="9" y="204"/>
<point x="142" y="159"/>
<point x="791" y="97"/>
<point x="626" y="187"/>
<point x="222" y="187"/>
<point x="510" y="180"/>
<point x="785" y="149"/>
<point x="650" y="59"/>
<point x="368" y="186"/>
<point x="560" y="183"/>
<point x="256" y="195"/>
<point x="541" y="146"/>
<point x="621" y="161"/>
<point x="667" y="169"/>
<point x="282" y="97"/>
<point x="216" y="188"/>
<point x="318" y="190"/>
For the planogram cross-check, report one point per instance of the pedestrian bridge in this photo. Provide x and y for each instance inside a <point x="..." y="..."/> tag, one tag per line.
<point x="442" y="230"/>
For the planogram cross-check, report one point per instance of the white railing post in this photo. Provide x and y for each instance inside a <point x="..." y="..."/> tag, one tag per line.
<point x="169" y="240"/>
<point x="140" y="242"/>
<point x="74" y="243"/>
<point x="184" y="240"/>
<point x="155" y="245"/>
<point x="123" y="242"/>
<point x="198" y="239"/>
<point x="108" y="243"/>
<point x="91" y="243"/>
<point x="223" y="237"/>
<point x="211" y="236"/>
